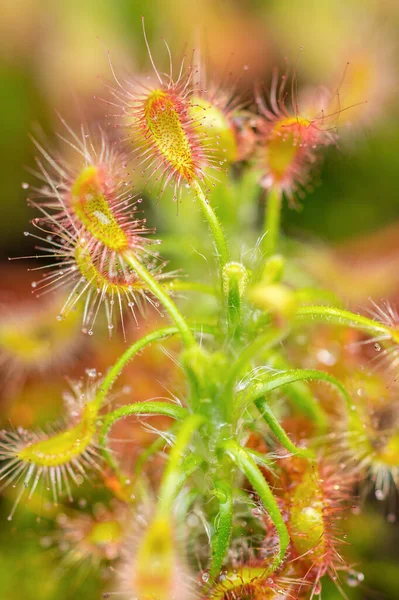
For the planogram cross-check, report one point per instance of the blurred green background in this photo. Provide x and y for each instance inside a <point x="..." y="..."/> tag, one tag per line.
<point x="53" y="58"/>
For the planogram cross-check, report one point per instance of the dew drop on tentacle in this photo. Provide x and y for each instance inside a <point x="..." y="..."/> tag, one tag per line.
<point x="89" y="223"/>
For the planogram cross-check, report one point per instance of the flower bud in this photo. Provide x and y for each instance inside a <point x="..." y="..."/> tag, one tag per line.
<point x="274" y="269"/>
<point x="278" y="299"/>
<point x="235" y="277"/>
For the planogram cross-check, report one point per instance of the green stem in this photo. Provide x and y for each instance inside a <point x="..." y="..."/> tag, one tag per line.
<point x="149" y="451"/>
<point x="272" y="221"/>
<point x="337" y="316"/>
<point x="252" y="472"/>
<point x="214" y="224"/>
<point x="234" y="281"/>
<point x="301" y="396"/>
<point x="267" y="413"/>
<point x="171" y="481"/>
<point x="223" y="529"/>
<point x="261" y="343"/>
<point x="188" y="466"/>
<point x="234" y="310"/>
<point x="140" y="408"/>
<point x="277" y="380"/>
<point x="155" y="336"/>
<point x="162" y="296"/>
<point x="127" y="356"/>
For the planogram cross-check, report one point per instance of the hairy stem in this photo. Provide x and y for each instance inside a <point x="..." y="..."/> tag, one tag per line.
<point x="272" y="221"/>
<point x="140" y="408"/>
<point x="234" y="281"/>
<point x="267" y="413"/>
<point x="261" y="343"/>
<point x="223" y="527"/>
<point x="152" y="449"/>
<point x="252" y="472"/>
<point x="301" y="396"/>
<point x="214" y="225"/>
<point x="155" y="336"/>
<point x="278" y="380"/>
<point x="127" y="356"/>
<point x="171" y="481"/>
<point x="162" y="296"/>
<point x="338" y="316"/>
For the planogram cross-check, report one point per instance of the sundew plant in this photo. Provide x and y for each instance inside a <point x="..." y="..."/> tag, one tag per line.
<point x="260" y="453"/>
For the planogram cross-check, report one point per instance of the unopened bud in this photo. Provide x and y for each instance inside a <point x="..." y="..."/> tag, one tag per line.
<point x="235" y="278"/>
<point x="274" y="269"/>
<point x="277" y="299"/>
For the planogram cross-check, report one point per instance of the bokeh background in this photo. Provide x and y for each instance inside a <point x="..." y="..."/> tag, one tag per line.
<point x="54" y="58"/>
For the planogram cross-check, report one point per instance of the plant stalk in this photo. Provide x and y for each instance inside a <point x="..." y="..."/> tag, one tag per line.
<point x="271" y="229"/>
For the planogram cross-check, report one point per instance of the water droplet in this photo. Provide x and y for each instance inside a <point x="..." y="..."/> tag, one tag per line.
<point x="25" y="185"/>
<point x="379" y="494"/>
<point x="59" y="317"/>
<point x="26" y="233"/>
<point x="34" y="284"/>
<point x="91" y="373"/>
<point x="326" y="357"/>
<point x="377" y="347"/>
<point x="90" y="332"/>
<point x="257" y="512"/>
<point x="354" y="578"/>
<point x="205" y="577"/>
